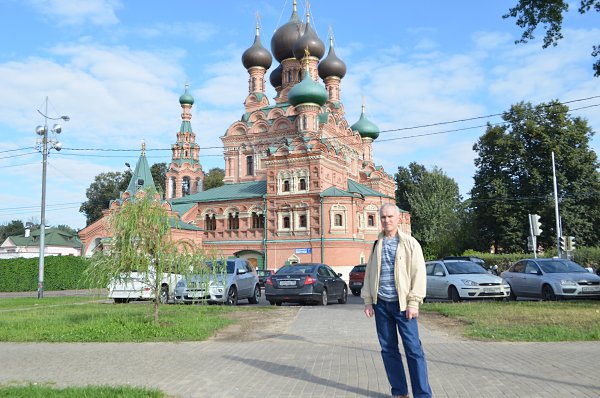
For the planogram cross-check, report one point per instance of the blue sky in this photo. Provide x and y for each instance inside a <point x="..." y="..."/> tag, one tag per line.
<point x="117" y="68"/>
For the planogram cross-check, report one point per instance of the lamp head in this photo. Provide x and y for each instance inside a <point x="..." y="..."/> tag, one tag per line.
<point x="40" y="130"/>
<point x="58" y="146"/>
<point x="56" y="129"/>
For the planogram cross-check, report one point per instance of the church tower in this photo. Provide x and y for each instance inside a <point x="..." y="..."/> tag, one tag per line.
<point x="185" y="175"/>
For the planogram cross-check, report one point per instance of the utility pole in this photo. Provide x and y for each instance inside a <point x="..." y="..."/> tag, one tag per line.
<point x="556" y="212"/>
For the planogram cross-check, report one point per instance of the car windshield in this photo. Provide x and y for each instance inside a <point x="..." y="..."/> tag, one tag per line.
<point x="464" y="267"/>
<point x="359" y="268"/>
<point x="296" y="269"/>
<point x="560" y="266"/>
<point x="218" y="264"/>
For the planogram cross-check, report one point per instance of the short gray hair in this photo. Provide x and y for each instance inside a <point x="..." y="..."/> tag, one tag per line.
<point x="386" y="205"/>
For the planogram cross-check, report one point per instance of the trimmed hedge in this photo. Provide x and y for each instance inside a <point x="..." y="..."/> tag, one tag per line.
<point x="60" y="273"/>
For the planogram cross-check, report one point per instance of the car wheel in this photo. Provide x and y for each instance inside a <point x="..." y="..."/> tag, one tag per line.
<point x="512" y="296"/>
<point x="323" y="300"/>
<point x="453" y="295"/>
<point x="255" y="296"/>
<point x="163" y="297"/>
<point x="232" y="296"/>
<point x="356" y="292"/>
<point x="278" y="303"/>
<point x="548" y="293"/>
<point x="120" y="300"/>
<point x="344" y="298"/>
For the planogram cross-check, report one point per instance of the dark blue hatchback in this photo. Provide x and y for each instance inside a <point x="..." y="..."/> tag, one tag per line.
<point x="305" y="283"/>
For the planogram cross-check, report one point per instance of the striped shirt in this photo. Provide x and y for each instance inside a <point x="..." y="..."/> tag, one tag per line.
<point x="387" y="284"/>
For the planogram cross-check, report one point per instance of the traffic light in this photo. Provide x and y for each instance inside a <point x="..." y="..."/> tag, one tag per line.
<point x="536" y="225"/>
<point x="570" y="243"/>
<point x="563" y="243"/>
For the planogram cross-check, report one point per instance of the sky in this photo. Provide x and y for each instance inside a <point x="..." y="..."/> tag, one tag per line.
<point x="118" y="67"/>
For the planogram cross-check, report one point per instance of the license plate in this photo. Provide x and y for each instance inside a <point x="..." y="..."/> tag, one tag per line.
<point x="356" y="283"/>
<point x="195" y="294"/>
<point x="590" y="288"/>
<point x="491" y="290"/>
<point x="287" y="283"/>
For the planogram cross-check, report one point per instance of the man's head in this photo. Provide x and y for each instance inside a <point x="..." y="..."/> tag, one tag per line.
<point x="390" y="217"/>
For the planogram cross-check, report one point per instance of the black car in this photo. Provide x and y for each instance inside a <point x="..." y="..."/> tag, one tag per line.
<point x="263" y="274"/>
<point x="305" y="283"/>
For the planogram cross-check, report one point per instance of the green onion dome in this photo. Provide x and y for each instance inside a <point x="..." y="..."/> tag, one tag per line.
<point x="365" y="127"/>
<point x="282" y="42"/>
<point x="307" y="91"/>
<point x="257" y="55"/>
<point x="331" y="65"/>
<point x="186" y="98"/>
<point x="276" y="77"/>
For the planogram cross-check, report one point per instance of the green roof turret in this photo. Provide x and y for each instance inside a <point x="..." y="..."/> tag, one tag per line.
<point x="307" y="91"/>
<point x="186" y="98"/>
<point x="365" y="127"/>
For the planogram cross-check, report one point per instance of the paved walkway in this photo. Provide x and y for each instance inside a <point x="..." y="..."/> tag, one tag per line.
<point x="326" y="352"/>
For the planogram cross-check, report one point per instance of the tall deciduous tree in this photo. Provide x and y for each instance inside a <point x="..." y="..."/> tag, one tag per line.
<point x="514" y="178"/>
<point x="214" y="178"/>
<point x="106" y="187"/>
<point x="159" y="175"/>
<point x="549" y="13"/>
<point x="15" y="227"/>
<point x="434" y="202"/>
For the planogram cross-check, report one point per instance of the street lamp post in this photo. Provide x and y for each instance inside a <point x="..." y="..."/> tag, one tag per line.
<point x="42" y="145"/>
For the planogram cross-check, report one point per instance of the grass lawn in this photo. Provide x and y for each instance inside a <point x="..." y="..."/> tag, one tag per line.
<point x="92" y="319"/>
<point x="525" y="320"/>
<point x="42" y="391"/>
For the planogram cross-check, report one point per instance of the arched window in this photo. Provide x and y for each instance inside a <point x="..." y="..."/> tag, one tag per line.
<point x="302" y="184"/>
<point x="172" y="187"/>
<point x="286" y="185"/>
<point x="258" y="220"/>
<point x="371" y="220"/>
<point x="185" y="186"/>
<point x="250" y="165"/>
<point x="286" y="222"/>
<point x="210" y="222"/>
<point x="338" y="220"/>
<point x="302" y="221"/>
<point x="233" y="221"/>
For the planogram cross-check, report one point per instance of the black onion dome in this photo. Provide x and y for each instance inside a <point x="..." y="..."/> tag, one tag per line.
<point x="309" y="40"/>
<point x="331" y="65"/>
<point x="282" y="42"/>
<point x="257" y="55"/>
<point x="276" y="76"/>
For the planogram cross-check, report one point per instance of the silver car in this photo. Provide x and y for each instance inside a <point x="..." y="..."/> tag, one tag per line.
<point x="238" y="281"/>
<point x="551" y="279"/>
<point x="458" y="280"/>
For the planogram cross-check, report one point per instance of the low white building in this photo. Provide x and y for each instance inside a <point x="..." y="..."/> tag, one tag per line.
<point x="57" y="243"/>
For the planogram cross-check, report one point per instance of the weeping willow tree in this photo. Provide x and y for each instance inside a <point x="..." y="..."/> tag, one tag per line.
<point x="142" y="242"/>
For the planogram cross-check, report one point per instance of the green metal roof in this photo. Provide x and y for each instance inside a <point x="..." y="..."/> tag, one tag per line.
<point x="53" y="237"/>
<point x="333" y="191"/>
<point x="141" y="173"/>
<point x="186" y="127"/>
<point x="242" y="190"/>
<point x="178" y="224"/>
<point x="363" y="190"/>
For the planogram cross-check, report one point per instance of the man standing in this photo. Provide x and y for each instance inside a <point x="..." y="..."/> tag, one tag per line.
<point x="394" y="286"/>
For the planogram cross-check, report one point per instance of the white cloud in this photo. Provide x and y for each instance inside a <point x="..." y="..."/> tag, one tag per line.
<point x="67" y="12"/>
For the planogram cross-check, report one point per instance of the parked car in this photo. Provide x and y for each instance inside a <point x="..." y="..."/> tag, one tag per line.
<point x="238" y="281"/>
<point x="305" y="283"/>
<point x="551" y="279"/>
<point x="139" y="286"/>
<point x="262" y="276"/>
<point x="458" y="280"/>
<point x="474" y="259"/>
<point x="357" y="278"/>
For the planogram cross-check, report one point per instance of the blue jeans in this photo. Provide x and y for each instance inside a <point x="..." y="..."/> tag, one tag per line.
<point x="388" y="319"/>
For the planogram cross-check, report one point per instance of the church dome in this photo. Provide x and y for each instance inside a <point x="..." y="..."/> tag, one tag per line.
<point x="308" y="41"/>
<point x="365" y="127"/>
<point x="282" y="42"/>
<point x="276" y="77"/>
<point x="331" y="65"/>
<point x="186" y="98"/>
<point x="257" y="55"/>
<point x="307" y="91"/>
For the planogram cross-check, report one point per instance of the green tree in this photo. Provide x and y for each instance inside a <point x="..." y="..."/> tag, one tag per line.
<point x="66" y="228"/>
<point x="434" y="202"/>
<point x="214" y="178"/>
<point x="106" y="187"/>
<point x="15" y="227"/>
<point x="549" y="13"/>
<point x="159" y="175"/>
<point x="514" y="178"/>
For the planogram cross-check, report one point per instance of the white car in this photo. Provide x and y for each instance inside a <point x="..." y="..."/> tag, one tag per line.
<point x="138" y="286"/>
<point x="457" y="280"/>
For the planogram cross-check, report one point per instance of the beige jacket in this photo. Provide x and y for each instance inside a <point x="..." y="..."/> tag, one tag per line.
<point x="409" y="273"/>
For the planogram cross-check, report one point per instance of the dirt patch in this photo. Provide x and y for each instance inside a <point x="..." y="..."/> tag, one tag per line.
<point x="254" y="325"/>
<point x="448" y="327"/>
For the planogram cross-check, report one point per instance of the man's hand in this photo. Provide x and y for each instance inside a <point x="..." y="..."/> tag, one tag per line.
<point x="369" y="310"/>
<point x="411" y="313"/>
